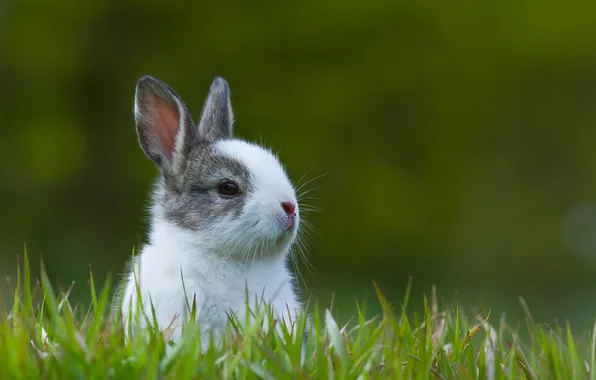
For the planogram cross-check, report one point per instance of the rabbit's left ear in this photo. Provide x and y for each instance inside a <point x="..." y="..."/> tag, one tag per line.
<point x="164" y="125"/>
<point x="217" y="118"/>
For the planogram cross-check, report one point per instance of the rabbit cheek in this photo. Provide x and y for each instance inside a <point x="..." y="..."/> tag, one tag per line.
<point x="202" y="211"/>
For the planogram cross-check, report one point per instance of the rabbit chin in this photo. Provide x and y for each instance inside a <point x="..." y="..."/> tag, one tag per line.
<point x="263" y="244"/>
<point x="227" y="242"/>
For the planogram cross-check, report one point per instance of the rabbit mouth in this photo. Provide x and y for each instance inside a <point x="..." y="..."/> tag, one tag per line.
<point x="288" y="223"/>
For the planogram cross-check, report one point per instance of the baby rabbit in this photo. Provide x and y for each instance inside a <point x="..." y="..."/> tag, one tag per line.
<point x="224" y="216"/>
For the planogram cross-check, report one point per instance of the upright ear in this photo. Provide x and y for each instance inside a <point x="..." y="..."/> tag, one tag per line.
<point x="164" y="126"/>
<point x="217" y="118"/>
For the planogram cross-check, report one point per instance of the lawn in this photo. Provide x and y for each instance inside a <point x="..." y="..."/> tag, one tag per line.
<point x="43" y="336"/>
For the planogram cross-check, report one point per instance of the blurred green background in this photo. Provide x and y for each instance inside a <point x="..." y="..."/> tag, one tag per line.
<point x="457" y="140"/>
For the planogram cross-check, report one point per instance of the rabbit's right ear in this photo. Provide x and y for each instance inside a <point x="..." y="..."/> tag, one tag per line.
<point x="217" y="118"/>
<point x="164" y="125"/>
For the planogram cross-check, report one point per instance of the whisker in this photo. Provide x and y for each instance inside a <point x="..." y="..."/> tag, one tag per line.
<point x="303" y="248"/>
<point x="238" y="241"/>
<point x="254" y="256"/>
<point x="302" y="240"/>
<point x="297" y="268"/>
<point x="310" y="181"/>
<point x="301" y="195"/>
<point x="308" y="206"/>
<point x="232" y="250"/>
<point x="309" y="227"/>
<point x="306" y="210"/>
<point x="305" y="174"/>
<point x="247" y="249"/>
<point x="309" y="198"/>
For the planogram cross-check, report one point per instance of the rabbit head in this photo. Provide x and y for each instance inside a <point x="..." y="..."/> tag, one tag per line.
<point x="231" y="197"/>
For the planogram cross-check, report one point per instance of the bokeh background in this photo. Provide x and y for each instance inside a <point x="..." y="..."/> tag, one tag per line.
<point x="457" y="140"/>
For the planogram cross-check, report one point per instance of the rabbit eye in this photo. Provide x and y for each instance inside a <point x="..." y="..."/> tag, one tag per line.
<point x="228" y="188"/>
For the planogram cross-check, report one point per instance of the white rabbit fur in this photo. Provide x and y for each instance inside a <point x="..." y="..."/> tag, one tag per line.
<point x="219" y="244"/>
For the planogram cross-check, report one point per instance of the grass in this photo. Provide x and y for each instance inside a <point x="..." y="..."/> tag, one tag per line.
<point x="44" y="337"/>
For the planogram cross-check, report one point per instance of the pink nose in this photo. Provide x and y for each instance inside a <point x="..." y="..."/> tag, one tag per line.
<point x="288" y="207"/>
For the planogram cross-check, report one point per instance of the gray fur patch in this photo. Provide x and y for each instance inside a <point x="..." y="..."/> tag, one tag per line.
<point x="189" y="198"/>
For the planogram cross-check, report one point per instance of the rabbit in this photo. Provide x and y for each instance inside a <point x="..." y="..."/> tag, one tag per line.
<point x="223" y="217"/>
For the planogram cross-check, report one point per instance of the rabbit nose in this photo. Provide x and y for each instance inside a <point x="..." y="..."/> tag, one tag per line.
<point x="288" y="207"/>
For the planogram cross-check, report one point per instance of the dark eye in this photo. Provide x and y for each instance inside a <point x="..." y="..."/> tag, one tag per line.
<point x="228" y="188"/>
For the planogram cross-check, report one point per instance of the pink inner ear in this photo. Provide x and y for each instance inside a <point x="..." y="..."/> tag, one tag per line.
<point x="167" y="122"/>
